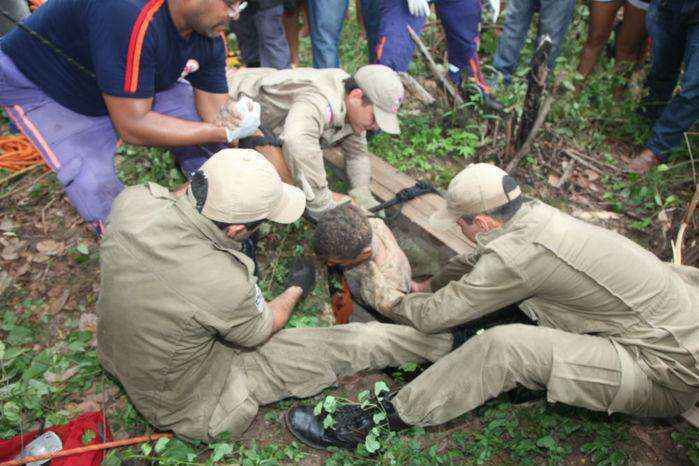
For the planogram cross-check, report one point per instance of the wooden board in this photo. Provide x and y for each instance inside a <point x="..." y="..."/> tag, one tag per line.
<point x="386" y="182"/>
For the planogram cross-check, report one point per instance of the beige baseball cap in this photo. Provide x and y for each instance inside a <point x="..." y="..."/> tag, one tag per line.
<point x="383" y="87"/>
<point x="476" y="189"/>
<point x="244" y="187"/>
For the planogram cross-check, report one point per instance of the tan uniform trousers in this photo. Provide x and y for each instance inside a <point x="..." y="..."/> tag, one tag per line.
<point x="303" y="361"/>
<point x="578" y="370"/>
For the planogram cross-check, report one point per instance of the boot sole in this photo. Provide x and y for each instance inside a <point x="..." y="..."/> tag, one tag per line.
<point x="299" y="437"/>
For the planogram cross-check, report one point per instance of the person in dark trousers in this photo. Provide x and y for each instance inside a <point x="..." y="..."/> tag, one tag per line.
<point x="674" y="28"/>
<point x="260" y="35"/>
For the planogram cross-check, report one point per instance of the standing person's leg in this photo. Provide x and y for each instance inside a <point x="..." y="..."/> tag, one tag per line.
<point x="668" y="39"/>
<point x="302" y="362"/>
<point x="395" y="48"/>
<point x="599" y="27"/>
<point x="460" y="19"/>
<point x="629" y="41"/>
<point x="245" y="30"/>
<point x="290" y="20"/>
<point x="518" y="17"/>
<point x="178" y="102"/>
<point x="683" y="110"/>
<point x="79" y="148"/>
<point x="370" y="14"/>
<point x="554" y="19"/>
<point x="272" y="45"/>
<point x="326" y="18"/>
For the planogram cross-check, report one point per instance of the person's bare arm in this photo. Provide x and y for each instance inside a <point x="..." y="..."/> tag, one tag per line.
<point x="282" y="305"/>
<point x="208" y="104"/>
<point x="138" y="124"/>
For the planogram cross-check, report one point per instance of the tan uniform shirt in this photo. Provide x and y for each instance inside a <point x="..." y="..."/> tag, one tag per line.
<point x="306" y="108"/>
<point x="579" y="278"/>
<point x="178" y="303"/>
<point x="383" y="280"/>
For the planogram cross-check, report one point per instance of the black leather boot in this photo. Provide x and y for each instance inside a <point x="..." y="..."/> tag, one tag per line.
<point x="352" y="424"/>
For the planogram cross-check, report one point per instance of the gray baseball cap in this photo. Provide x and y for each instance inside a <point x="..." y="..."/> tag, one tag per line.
<point x="382" y="86"/>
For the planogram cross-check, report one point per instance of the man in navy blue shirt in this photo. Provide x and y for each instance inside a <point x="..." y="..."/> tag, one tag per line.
<point x="151" y="71"/>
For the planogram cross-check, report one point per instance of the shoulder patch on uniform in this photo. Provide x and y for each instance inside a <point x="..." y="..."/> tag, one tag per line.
<point x="259" y="299"/>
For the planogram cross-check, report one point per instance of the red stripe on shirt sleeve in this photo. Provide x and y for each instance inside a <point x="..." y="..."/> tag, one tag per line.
<point x="133" y="54"/>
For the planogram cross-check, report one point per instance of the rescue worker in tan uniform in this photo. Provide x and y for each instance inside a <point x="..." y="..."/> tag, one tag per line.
<point x="313" y="109"/>
<point x="374" y="267"/>
<point x="618" y="330"/>
<point x="183" y="324"/>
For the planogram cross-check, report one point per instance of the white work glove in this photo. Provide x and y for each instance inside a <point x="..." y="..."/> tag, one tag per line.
<point x="419" y="7"/>
<point x="248" y="111"/>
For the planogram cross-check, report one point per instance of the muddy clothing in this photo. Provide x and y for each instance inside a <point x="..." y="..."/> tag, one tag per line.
<point x="306" y="109"/>
<point x="381" y="282"/>
<point x="623" y="327"/>
<point x="186" y="330"/>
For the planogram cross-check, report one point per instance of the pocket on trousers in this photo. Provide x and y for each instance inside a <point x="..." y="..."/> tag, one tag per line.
<point x="69" y="171"/>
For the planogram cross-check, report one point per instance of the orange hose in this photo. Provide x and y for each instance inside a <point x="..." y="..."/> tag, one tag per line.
<point x="34" y="4"/>
<point x="17" y="153"/>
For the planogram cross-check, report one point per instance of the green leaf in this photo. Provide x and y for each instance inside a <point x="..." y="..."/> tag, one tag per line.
<point x="371" y="443"/>
<point x="380" y="387"/>
<point x="88" y="436"/>
<point x="328" y="422"/>
<point x="363" y="396"/>
<point x="378" y="417"/>
<point x="409" y="367"/>
<point x="546" y="442"/>
<point x="330" y="404"/>
<point x="221" y="450"/>
<point x="318" y="408"/>
<point x="161" y="444"/>
<point x="146" y="448"/>
<point x="10" y="411"/>
<point x="662" y="168"/>
<point x="83" y="249"/>
<point x="2" y="350"/>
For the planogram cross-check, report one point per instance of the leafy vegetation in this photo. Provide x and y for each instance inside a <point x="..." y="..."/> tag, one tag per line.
<point x="49" y="370"/>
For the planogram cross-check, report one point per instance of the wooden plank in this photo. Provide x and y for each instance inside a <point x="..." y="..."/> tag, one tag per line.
<point x="386" y="182"/>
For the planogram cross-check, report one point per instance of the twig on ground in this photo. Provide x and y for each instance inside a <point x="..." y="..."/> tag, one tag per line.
<point x="416" y="89"/>
<point x="691" y="157"/>
<point x="18" y="188"/>
<point x="602" y="164"/>
<point x="19" y="173"/>
<point x="567" y="171"/>
<point x="688" y="217"/>
<point x="441" y="78"/>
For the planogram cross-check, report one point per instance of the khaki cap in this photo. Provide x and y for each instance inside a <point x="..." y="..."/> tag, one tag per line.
<point x="476" y="189"/>
<point x="382" y="86"/>
<point x="244" y="187"/>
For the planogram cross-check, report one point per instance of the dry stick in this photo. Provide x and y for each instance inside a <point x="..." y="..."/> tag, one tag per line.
<point x="543" y="112"/>
<point x="416" y="89"/>
<point x="688" y="217"/>
<point x="582" y="161"/>
<point x="593" y="160"/>
<point x="13" y="191"/>
<point x="568" y="170"/>
<point x="433" y="67"/>
<point x="19" y="173"/>
<point x="95" y="447"/>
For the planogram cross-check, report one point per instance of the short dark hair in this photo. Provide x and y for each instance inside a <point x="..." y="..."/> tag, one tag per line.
<point x="505" y="212"/>
<point x="350" y="85"/>
<point x="342" y="233"/>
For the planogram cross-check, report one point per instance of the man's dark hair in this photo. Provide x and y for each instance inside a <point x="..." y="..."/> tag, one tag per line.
<point x="505" y="212"/>
<point x="350" y="85"/>
<point x="342" y="233"/>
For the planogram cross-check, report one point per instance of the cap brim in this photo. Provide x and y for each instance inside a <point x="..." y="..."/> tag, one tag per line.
<point x="290" y="207"/>
<point x="387" y="121"/>
<point x="443" y="219"/>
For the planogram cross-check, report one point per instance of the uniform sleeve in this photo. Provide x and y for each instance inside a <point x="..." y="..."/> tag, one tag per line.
<point x="303" y="128"/>
<point x="455" y="268"/>
<point x="490" y="286"/>
<point x="377" y="292"/>
<point x="357" y="161"/>
<point x="122" y="49"/>
<point x="251" y="321"/>
<point x="211" y="76"/>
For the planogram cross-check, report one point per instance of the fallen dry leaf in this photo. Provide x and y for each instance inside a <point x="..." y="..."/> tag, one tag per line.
<point x="22" y="269"/>
<point x="664" y="220"/>
<point x="11" y="250"/>
<point x="88" y="321"/>
<point x="553" y="180"/>
<point x="57" y="304"/>
<point x="591" y="175"/>
<point x="62" y="377"/>
<point x="7" y="224"/>
<point x="5" y="281"/>
<point x="49" y="247"/>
